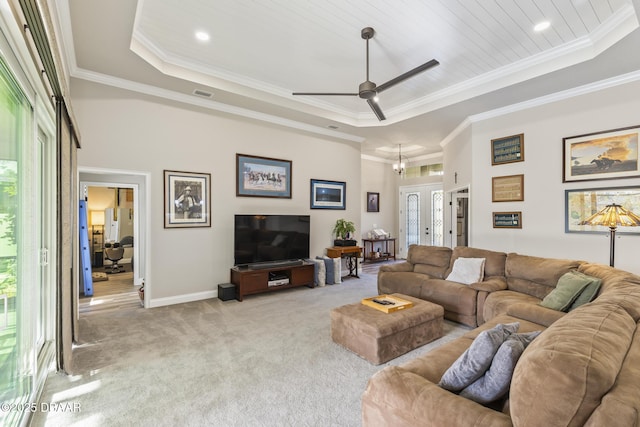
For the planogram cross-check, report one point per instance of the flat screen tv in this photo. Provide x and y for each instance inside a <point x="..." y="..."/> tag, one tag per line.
<point x="270" y="238"/>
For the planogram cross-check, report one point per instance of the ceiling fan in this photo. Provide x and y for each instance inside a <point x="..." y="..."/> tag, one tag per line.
<point x="368" y="89"/>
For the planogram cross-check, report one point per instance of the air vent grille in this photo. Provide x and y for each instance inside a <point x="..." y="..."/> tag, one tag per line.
<point x="202" y="93"/>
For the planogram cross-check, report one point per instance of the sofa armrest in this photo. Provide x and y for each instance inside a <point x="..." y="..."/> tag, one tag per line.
<point x="396" y="397"/>
<point x="490" y="284"/>
<point x="534" y="313"/>
<point x="403" y="266"/>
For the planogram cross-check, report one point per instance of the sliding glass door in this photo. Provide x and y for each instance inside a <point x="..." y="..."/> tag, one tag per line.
<point x="25" y="293"/>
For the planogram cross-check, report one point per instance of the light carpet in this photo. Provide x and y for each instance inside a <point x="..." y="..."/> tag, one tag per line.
<point x="266" y="361"/>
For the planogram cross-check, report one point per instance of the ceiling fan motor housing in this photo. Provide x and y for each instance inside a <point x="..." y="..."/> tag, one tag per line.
<point x="367" y="90"/>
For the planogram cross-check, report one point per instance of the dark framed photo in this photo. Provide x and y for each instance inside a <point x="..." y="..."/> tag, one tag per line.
<point x="507" y="188"/>
<point x="507" y="220"/>
<point x="580" y="204"/>
<point x="373" y="202"/>
<point x="328" y="194"/>
<point x="609" y="154"/>
<point x="187" y="199"/>
<point x="509" y="149"/>
<point x="262" y="177"/>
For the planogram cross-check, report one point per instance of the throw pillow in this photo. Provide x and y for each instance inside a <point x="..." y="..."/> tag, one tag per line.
<point x="495" y="383"/>
<point x="337" y="270"/>
<point x="566" y="291"/>
<point x="467" y="270"/>
<point x="475" y="361"/>
<point x="589" y="293"/>
<point x="319" y="272"/>
<point x="329" y="269"/>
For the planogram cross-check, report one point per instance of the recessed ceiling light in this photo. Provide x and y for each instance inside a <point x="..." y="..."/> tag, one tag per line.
<point x="202" y="36"/>
<point x="541" y="26"/>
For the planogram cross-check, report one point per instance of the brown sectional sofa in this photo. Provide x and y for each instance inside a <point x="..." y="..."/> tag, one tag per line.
<point x="583" y="369"/>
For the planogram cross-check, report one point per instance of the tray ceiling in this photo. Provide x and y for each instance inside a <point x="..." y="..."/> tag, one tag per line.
<point x="259" y="52"/>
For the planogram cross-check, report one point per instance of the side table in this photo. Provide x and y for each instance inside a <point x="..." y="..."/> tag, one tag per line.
<point x="388" y="247"/>
<point x="351" y="253"/>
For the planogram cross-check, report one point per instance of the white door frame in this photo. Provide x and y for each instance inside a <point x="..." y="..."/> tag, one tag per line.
<point x="453" y="196"/>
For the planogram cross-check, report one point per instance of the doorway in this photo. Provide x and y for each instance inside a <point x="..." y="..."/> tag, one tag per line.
<point x="116" y="203"/>
<point x="421" y="216"/>
<point x="460" y="217"/>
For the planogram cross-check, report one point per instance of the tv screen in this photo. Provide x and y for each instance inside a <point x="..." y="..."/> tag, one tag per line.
<point x="269" y="238"/>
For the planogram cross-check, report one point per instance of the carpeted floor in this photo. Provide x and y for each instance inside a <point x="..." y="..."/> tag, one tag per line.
<point x="267" y="361"/>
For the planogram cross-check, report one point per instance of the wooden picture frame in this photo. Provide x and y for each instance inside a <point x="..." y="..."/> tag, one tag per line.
<point x="508" y="188"/>
<point x="187" y="199"/>
<point x="507" y="219"/>
<point x="373" y="202"/>
<point x="610" y="154"/>
<point x="328" y="194"/>
<point x="581" y="203"/>
<point x="263" y="177"/>
<point x="509" y="149"/>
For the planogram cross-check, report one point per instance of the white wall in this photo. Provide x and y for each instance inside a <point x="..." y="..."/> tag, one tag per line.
<point x="378" y="177"/>
<point x="543" y="208"/>
<point x="128" y="131"/>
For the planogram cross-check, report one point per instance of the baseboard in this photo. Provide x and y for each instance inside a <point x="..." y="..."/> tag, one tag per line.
<point x="179" y="299"/>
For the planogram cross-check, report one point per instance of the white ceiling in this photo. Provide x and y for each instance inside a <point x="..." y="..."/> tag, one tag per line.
<point x="260" y="51"/>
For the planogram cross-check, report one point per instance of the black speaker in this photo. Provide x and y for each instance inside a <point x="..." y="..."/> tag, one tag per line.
<point x="226" y="291"/>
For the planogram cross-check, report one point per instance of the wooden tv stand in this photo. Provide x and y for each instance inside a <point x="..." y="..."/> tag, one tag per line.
<point x="256" y="280"/>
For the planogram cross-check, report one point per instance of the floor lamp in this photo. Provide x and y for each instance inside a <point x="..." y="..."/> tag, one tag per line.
<point x="613" y="216"/>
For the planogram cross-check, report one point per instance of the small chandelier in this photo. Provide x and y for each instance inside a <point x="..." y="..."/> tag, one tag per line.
<point x="400" y="165"/>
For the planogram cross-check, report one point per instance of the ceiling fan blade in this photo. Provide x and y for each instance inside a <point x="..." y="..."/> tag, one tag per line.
<point x="408" y="74"/>
<point x="376" y="109"/>
<point x="325" y="93"/>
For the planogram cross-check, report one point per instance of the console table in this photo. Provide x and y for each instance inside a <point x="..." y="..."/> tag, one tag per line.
<point x="388" y="249"/>
<point x="351" y="253"/>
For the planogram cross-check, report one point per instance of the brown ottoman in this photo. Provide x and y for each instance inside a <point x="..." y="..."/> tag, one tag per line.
<point x="380" y="337"/>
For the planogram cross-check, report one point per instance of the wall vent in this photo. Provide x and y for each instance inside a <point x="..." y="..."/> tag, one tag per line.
<point x="202" y="93"/>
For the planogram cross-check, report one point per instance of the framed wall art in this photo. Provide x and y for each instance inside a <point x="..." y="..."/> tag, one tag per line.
<point x="262" y="177"/>
<point x="373" y="202"/>
<point x="580" y="204"/>
<point x="187" y="199"/>
<point x="507" y="220"/>
<point x="507" y="188"/>
<point x="509" y="149"/>
<point x="328" y="194"/>
<point x="601" y="155"/>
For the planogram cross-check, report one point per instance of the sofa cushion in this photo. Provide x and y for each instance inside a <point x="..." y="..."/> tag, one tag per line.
<point x="565" y="373"/>
<point x="467" y="270"/>
<point x="535" y="276"/>
<point x="566" y="291"/>
<point x="454" y="297"/>
<point x="430" y="260"/>
<point x="494" y="384"/>
<point x="475" y="361"/>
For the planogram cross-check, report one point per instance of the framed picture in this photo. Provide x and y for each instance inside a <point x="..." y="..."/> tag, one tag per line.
<point x="187" y="199"/>
<point x="328" y="194"/>
<point x="580" y="204"/>
<point x="509" y="149"/>
<point x="262" y="177"/>
<point x="507" y="220"/>
<point x="507" y="188"/>
<point x="373" y="202"/>
<point x="601" y="155"/>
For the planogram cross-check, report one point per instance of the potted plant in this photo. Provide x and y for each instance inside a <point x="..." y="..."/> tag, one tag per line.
<point x="342" y="230"/>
